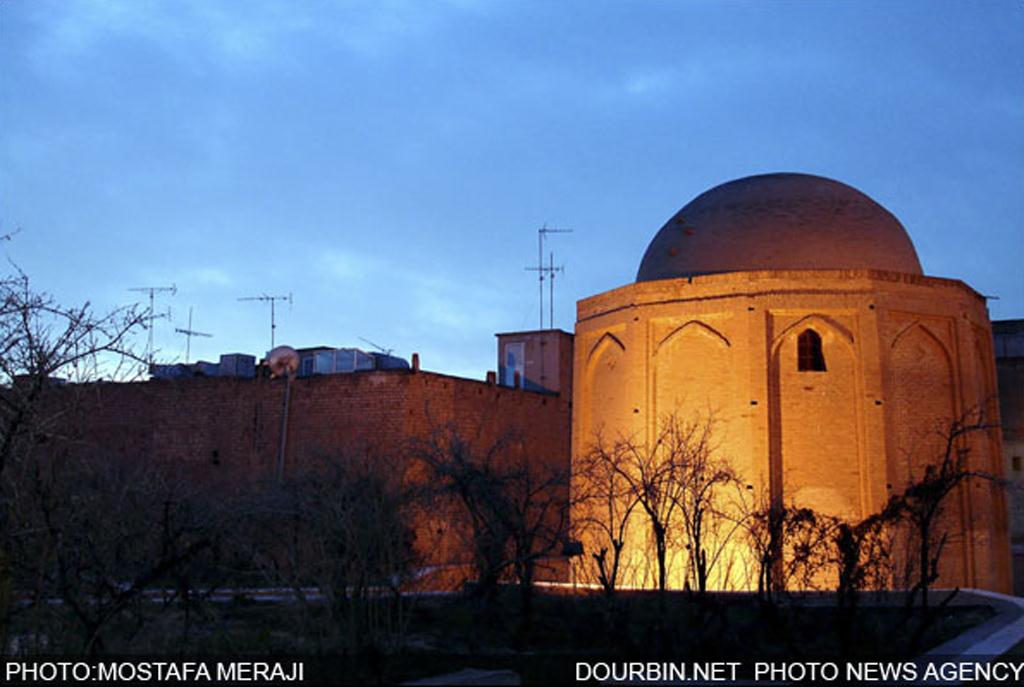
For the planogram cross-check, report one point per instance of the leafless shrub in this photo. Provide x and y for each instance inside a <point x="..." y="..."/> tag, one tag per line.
<point x="604" y="501"/>
<point x="921" y="505"/>
<point x="515" y="502"/>
<point x="90" y="537"/>
<point x="44" y="344"/>
<point x="338" y="536"/>
<point x="677" y="484"/>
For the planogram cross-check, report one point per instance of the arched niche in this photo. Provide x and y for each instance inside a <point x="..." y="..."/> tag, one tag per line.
<point x="607" y="384"/>
<point x="815" y="437"/>
<point x="694" y="375"/>
<point x="922" y="405"/>
<point x="922" y="398"/>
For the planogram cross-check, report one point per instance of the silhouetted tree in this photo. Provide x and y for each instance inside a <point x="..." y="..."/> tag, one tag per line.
<point x="705" y="500"/>
<point x="42" y="345"/>
<point x="790" y="544"/>
<point x="516" y="502"/>
<point x="605" y="501"/>
<point x="922" y="502"/>
<point x="338" y="534"/>
<point x="653" y="473"/>
<point x="94" y="534"/>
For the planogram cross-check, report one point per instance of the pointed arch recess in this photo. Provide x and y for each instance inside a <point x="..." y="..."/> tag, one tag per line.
<point x="923" y="394"/>
<point x="695" y="325"/>
<point x="692" y="373"/>
<point x="821" y="324"/>
<point x="607" y="339"/>
<point x="603" y="403"/>
<point x="918" y="324"/>
<point x="814" y="419"/>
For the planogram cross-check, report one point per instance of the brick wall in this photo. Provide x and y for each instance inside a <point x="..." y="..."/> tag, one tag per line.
<point x="233" y="426"/>
<point x="227" y="431"/>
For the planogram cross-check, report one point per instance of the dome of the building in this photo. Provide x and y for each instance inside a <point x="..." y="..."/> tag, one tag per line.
<point x="779" y="222"/>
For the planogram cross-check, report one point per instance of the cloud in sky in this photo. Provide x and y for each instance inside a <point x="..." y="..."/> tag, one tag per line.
<point x="347" y="266"/>
<point x="390" y="162"/>
<point x="210" y="276"/>
<point x="223" y="35"/>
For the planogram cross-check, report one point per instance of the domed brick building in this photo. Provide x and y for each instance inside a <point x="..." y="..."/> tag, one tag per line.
<point x="792" y="309"/>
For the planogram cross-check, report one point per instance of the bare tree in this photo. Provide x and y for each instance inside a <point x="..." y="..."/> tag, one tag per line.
<point x="922" y="502"/>
<point x="515" y="502"/>
<point x="458" y="469"/>
<point x="861" y="553"/>
<point x="790" y="544"/>
<point x="43" y="343"/>
<point x="605" y="501"/>
<point x="539" y="500"/>
<point x="339" y="536"/>
<point x="703" y="504"/>
<point x="94" y="534"/>
<point x="657" y="476"/>
<point x="651" y="471"/>
<point x="761" y="531"/>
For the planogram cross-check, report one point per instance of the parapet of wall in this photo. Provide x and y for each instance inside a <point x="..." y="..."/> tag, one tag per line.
<point x="232" y="427"/>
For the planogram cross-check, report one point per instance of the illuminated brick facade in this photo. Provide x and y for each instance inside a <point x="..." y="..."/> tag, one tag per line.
<point x="903" y="354"/>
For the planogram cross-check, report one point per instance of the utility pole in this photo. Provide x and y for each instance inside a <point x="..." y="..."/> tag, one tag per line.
<point x="272" y="300"/>
<point x="189" y="333"/>
<point x="540" y="269"/>
<point x="151" y="313"/>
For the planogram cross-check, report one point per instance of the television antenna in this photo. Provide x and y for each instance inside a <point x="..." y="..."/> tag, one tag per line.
<point x="541" y="270"/>
<point x="264" y="298"/>
<point x="552" y="270"/>
<point x="189" y="333"/>
<point x="385" y="351"/>
<point x="151" y="313"/>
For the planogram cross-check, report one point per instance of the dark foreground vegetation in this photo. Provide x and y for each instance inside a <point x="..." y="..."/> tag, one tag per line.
<point x="447" y="633"/>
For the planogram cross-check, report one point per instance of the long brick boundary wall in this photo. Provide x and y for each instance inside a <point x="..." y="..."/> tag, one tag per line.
<point x="225" y="431"/>
<point x="231" y="427"/>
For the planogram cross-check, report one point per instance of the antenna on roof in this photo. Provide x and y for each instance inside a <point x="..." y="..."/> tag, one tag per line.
<point x="189" y="333"/>
<point x="272" y="300"/>
<point x="385" y="351"/>
<point x="551" y="285"/>
<point x="151" y="313"/>
<point x="541" y="270"/>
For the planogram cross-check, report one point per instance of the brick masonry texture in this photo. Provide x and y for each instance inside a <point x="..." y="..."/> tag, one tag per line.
<point x="905" y="355"/>
<point x="226" y="431"/>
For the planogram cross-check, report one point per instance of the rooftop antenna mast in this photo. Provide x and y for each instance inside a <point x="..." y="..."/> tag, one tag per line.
<point x="540" y="269"/>
<point x="385" y="351"/>
<point x="273" y="318"/>
<point x="151" y="313"/>
<point x="189" y="333"/>
<point x="552" y="270"/>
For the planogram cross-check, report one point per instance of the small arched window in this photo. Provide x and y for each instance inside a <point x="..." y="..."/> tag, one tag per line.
<point x="809" y="357"/>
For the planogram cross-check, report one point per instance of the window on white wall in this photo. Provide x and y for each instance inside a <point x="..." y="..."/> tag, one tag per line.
<point x="515" y="360"/>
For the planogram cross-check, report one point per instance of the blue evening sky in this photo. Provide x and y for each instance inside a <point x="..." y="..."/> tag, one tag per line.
<point x="390" y="162"/>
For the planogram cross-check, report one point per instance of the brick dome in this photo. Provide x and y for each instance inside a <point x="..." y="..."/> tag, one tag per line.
<point x="779" y="222"/>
